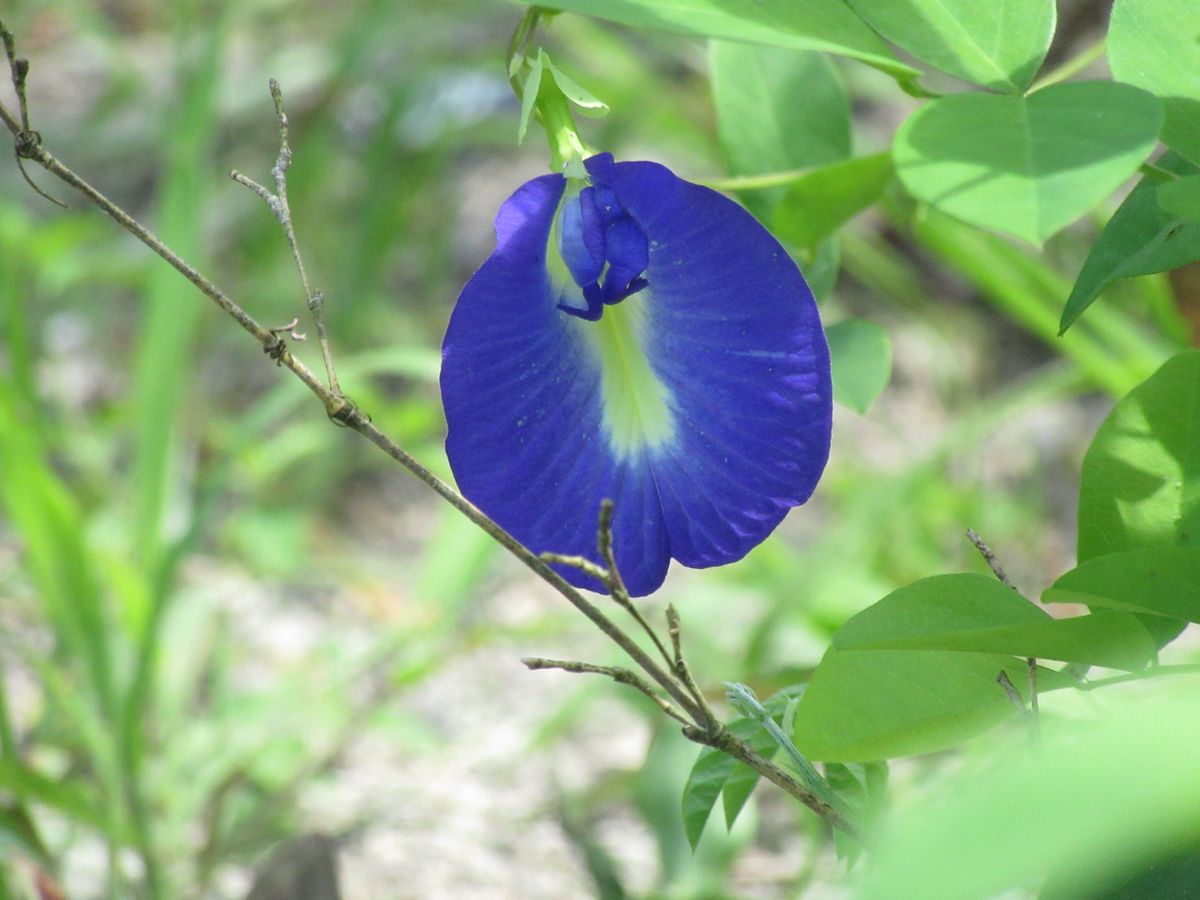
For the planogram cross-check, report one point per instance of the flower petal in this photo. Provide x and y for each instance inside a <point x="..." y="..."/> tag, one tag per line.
<point x="701" y="404"/>
<point x="734" y="336"/>
<point x="521" y="389"/>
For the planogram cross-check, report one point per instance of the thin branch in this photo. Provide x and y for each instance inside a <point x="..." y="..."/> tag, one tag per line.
<point x="725" y="741"/>
<point x="1035" y="726"/>
<point x="616" y="673"/>
<point x="616" y="584"/>
<point x="25" y="138"/>
<point x="1011" y="692"/>
<point x="1035" y="720"/>
<point x="1070" y="67"/>
<point x="280" y="208"/>
<point x="582" y="563"/>
<point x="682" y="671"/>
<point x="990" y="558"/>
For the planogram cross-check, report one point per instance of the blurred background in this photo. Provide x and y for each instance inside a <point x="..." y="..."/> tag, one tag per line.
<point x="237" y="643"/>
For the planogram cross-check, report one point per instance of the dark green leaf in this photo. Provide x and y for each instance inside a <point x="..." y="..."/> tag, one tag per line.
<point x="1026" y="166"/>
<point x="1181" y="198"/>
<point x="1140" y="239"/>
<point x="976" y="613"/>
<point x="68" y="797"/>
<point x="862" y="362"/>
<point x="529" y="92"/>
<point x="1175" y="876"/>
<point x="708" y="776"/>
<point x="1140" y="485"/>
<point x="1155" y="44"/>
<point x="820" y="265"/>
<point x="999" y="44"/>
<point x="778" y="109"/>
<point x="795" y="24"/>
<point x="820" y="202"/>
<point x="1164" y="581"/>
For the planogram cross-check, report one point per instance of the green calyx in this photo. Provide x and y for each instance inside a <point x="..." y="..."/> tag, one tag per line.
<point x="551" y="96"/>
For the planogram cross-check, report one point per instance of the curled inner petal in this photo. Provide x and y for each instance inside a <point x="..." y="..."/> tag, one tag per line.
<point x="602" y="248"/>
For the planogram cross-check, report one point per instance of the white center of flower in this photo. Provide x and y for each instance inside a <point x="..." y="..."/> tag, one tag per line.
<point x="637" y="405"/>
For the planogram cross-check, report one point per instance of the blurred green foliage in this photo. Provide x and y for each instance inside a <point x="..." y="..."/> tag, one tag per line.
<point x="153" y="469"/>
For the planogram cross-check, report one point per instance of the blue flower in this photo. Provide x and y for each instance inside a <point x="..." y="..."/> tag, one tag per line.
<point x="641" y="338"/>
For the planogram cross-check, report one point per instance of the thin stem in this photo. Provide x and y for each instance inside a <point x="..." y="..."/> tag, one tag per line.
<point x="755" y="182"/>
<point x="278" y="204"/>
<point x="616" y="584"/>
<point x="1153" y="672"/>
<point x="725" y="741"/>
<point x="1035" y="723"/>
<point x="1071" y="67"/>
<point x="1010" y="691"/>
<point x="682" y="671"/>
<point x="1156" y="173"/>
<point x="616" y="673"/>
<point x="990" y="558"/>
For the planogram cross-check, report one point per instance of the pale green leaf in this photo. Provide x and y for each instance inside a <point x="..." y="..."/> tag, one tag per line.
<point x="1026" y="166"/>
<point x="999" y="43"/>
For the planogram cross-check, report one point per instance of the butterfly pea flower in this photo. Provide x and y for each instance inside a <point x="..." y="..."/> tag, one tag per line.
<point x="640" y="338"/>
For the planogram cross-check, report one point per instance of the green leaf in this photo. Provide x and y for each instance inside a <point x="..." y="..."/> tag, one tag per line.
<point x="1026" y="166"/>
<point x="796" y="24"/>
<point x="1163" y="581"/>
<point x="867" y="705"/>
<point x="1140" y="239"/>
<point x="1181" y="198"/>
<point x="820" y="202"/>
<point x="1100" y="802"/>
<point x="778" y="109"/>
<point x="861" y="354"/>
<point x="1140" y="485"/>
<point x="1155" y="44"/>
<point x="820" y="265"/>
<point x="717" y="773"/>
<point x="69" y="796"/>
<point x="529" y="92"/>
<point x="999" y="44"/>
<point x="587" y="103"/>
<point x="708" y="776"/>
<point x="976" y="613"/>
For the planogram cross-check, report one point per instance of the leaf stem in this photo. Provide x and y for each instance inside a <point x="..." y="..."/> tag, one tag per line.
<point x="1070" y="67"/>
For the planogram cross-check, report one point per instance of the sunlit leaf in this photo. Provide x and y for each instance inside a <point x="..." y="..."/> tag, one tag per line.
<point x="1155" y="44"/>
<point x="999" y="44"/>
<point x="1140" y="485"/>
<point x="1163" y="581"/>
<point x="797" y="24"/>
<point x="976" y="613"/>
<point x="1026" y="166"/>
<point x="778" y="109"/>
